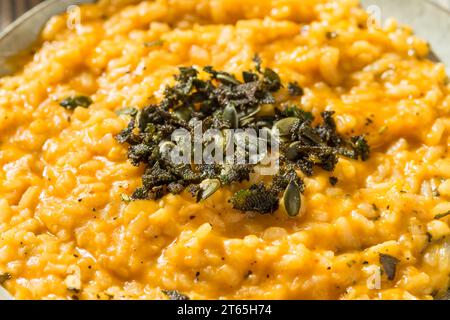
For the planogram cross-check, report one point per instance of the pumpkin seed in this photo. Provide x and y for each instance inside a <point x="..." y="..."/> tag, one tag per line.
<point x="183" y="114"/>
<point x="292" y="152"/>
<point x="250" y="114"/>
<point x="125" y="197"/>
<point x="285" y="125"/>
<point x="207" y="188"/>
<point x="230" y="115"/>
<point x="292" y="199"/>
<point x="389" y="264"/>
<point x="4" y="277"/>
<point x="228" y="141"/>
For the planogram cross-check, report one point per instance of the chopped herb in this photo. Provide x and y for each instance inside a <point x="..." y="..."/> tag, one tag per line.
<point x="125" y="198"/>
<point x="71" y="103"/>
<point x="429" y="237"/>
<point x="295" y="90"/>
<point x="333" y="181"/>
<point x="175" y="295"/>
<point x="272" y="80"/>
<point x="389" y="264"/>
<point x="155" y="43"/>
<point x="442" y="215"/>
<point x="4" y="277"/>
<point x="294" y="111"/>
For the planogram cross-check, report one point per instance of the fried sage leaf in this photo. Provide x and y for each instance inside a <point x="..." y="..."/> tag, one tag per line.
<point x="71" y="103"/>
<point x="389" y="264"/>
<point x="255" y="199"/>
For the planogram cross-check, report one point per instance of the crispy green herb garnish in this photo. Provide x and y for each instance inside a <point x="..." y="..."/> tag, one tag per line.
<point x="71" y="103"/>
<point x="4" y="277"/>
<point x="389" y="264"/>
<point x="292" y="199"/>
<point x="257" y="199"/>
<point x="175" y="295"/>
<point x="295" y="90"/>
<point x="442" y="215"/>
<point x="224" y="101"/>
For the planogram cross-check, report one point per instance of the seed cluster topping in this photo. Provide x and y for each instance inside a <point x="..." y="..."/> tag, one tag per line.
<point x="225" y="102"/>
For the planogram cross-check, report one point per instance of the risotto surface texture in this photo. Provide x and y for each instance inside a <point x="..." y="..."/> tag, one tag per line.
<point x="66" y="233"/>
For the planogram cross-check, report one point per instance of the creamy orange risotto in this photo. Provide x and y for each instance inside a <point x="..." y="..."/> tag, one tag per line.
<point x="68" y="229"/>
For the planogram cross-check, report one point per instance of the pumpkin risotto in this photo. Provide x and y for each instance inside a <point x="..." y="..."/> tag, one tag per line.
<point x="70" y="227"/>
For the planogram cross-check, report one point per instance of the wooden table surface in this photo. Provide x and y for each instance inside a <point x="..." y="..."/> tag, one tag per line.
<point x="11" y="9"/>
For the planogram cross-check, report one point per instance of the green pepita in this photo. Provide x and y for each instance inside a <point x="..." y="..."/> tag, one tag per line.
<point x="292" y="199"/>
